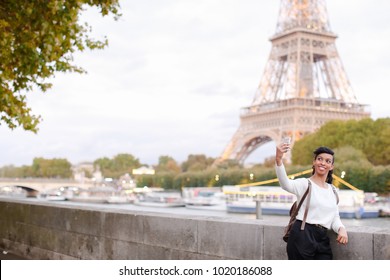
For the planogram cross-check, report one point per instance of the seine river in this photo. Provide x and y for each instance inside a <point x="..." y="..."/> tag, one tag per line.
<point x="370" y="222"/>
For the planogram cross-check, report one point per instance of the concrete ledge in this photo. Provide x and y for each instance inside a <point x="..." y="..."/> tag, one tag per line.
<point x="34" y="230"/>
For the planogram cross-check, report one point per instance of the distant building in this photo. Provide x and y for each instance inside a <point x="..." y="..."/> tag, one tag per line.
<point x="126" y="182"/>
<point x="143" y="170"/>
<point x="86" y="171"/>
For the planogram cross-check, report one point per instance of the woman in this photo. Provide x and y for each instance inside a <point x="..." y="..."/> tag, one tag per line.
<point x="323" y="214"/>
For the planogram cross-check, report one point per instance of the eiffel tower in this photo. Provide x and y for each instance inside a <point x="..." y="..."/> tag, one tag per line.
<point x="304" y="84"/>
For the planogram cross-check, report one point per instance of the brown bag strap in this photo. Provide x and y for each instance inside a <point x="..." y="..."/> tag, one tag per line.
<point x="302" y="199"/>
<point x="335" y="193"/>
<point x="295" y="213"/>
<point x="308" y="191"/>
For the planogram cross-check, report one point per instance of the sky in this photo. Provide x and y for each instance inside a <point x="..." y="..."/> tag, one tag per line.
<point x="175" y="75"/>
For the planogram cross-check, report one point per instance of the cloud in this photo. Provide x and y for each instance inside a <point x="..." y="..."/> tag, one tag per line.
<point x="175" y="75"/>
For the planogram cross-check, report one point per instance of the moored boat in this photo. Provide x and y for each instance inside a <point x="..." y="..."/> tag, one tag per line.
<point x="276" y="201"/>
<point x="205" y="198"/>
<point x="273" y="200"/>
<point x="121" y="197"/>
<point x="160" y="198"/>
<point x="98" y="194"/>
<point x="59" y="194"/>
<point x="13" y="191"/>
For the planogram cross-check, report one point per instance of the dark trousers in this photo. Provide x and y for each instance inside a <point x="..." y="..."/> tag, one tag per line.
<point x="312" y="243"/>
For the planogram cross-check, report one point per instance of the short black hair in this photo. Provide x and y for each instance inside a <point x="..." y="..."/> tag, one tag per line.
<point x="325" y="150"/>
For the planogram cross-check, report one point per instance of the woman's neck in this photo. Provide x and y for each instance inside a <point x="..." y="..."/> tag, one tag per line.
<point x="319" y="180"/>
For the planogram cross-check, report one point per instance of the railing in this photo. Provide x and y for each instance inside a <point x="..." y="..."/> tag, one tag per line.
<point x="305" y="102"/>
<point x="292" y="176"/>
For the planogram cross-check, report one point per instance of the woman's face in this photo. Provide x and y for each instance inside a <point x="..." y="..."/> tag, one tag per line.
<point x="323" y="163"/>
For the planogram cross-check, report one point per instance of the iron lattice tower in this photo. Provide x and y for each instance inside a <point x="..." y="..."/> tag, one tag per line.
<point x="303" y="86"/>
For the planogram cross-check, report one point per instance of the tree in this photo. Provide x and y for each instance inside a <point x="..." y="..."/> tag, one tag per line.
<point x="51" y="168"/>
<point x="37" y="39"/>
<point x="369" y="136"/>
<point x="229" y="164"/>
<point x="119" y="165"/>
<point x="196" y="163"/>
<point x="167" y="164"/>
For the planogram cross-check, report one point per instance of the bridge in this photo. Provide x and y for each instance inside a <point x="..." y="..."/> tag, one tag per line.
<point x="43" y="184"/>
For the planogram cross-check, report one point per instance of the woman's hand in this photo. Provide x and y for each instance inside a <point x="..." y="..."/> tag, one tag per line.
<point x="342" y="236"/>
<point x="281" y="149"/>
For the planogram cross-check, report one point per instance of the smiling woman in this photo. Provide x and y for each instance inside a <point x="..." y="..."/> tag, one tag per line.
<point x="308" y="237"/>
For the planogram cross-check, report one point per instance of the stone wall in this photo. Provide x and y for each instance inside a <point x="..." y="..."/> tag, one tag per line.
<point x="35" y="230"/>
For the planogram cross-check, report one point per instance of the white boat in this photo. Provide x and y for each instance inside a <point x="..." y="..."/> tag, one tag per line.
<point x="117" y="199"/>
<point x="92" y="195"/>
<point x="88" y="199"/>
<point x="276" y="201"/>
<point x="353" y="205"/>
<point x="273" y="200"/>
<point x="160" y="198"/>
<point x="204" y="198"/>
<point x="121" y="197"/>
<point x="12" y="191"/>
<point x="58" y="194"/>
<point x="55" y="197"/>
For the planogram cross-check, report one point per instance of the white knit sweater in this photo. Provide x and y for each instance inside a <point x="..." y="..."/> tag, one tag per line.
<point x="323" y="207"/>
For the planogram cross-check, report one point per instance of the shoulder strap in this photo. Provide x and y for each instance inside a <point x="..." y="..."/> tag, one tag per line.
<point x="308" y="192"/>
<point x="335" y="193"/>
<point x="304" y="196"/>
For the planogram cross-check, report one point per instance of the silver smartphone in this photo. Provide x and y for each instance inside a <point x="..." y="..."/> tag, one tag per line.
<point x="287" y="140"/>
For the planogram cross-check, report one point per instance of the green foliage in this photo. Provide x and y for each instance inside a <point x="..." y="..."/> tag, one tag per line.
<point x="164" y="180"/>
<point x="37" y="39"/>
<point x="350" y="157"/>
<point x="229" y="163"/>
<point x="378" y="180"/>
<point x="145" y="180"/>
<point x="10" y="171"/>
<point x="197" y="163"/>
<point x="118" y="166"/>
<point x="269" y="162"/>
<point x="369" y="136"/>
<point x="51" y="168"/>
<point x="167" y="164"/>
<point x="221" y="177"/>
<point x="358" y="171"/>
<point x="375" y="179"/>
<point x="362" y="151"/>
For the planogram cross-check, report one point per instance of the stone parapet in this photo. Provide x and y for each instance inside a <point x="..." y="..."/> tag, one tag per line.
<point x="34" y="230"/>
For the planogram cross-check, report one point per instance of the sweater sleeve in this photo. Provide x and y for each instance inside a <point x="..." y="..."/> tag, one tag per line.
<point x="336" y="222"/>
<point x="297" y="187"/>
